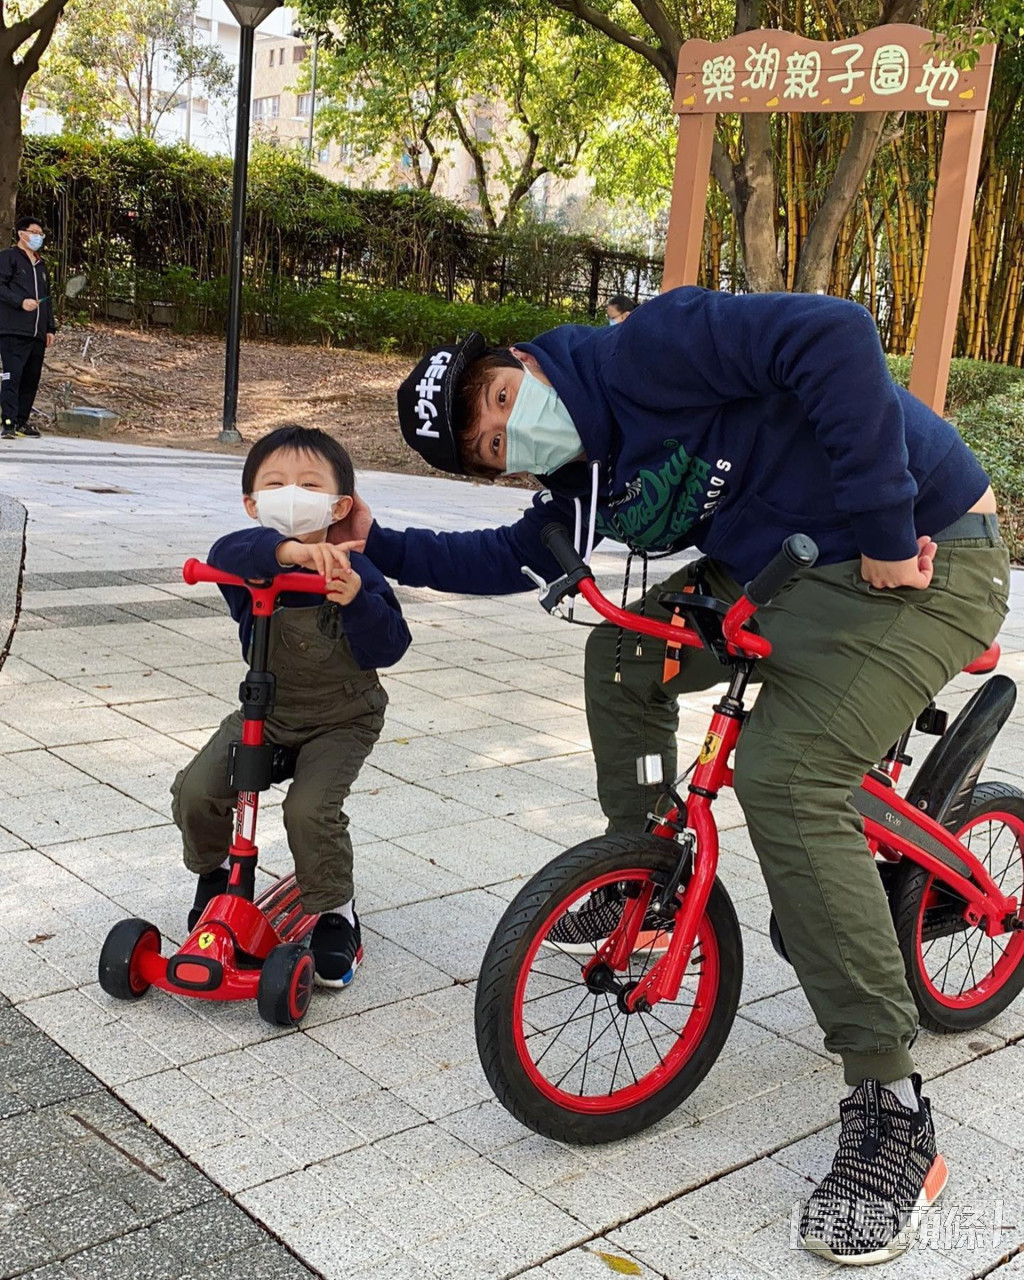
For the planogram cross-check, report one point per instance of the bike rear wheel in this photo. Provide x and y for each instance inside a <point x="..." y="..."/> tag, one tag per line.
<point x="571" y="1062"/>
<point x="961" y="978"/>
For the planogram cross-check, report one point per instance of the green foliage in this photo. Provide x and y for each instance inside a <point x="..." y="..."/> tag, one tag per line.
<point x="101" y="69"/>
<point x="396" y="320"/>
<point x="412" y="82"/>
<point x="992" y="428"/>
<point x="970" y="381"/>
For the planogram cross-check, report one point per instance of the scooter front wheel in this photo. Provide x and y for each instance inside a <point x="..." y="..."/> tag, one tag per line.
<point x="119" y="960"/>
<point x="560" y="1046"/>
<point x="286" y="985"/>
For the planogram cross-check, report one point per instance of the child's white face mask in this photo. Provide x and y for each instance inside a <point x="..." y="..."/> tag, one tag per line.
<point x="294" y="511"/>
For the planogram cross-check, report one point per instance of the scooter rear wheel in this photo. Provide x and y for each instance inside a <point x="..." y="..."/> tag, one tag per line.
<point x="119" y="960"/>
<point x="286" y="985"/>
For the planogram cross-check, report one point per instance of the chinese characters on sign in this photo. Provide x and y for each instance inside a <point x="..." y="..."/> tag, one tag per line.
<point x="895" y="68"/>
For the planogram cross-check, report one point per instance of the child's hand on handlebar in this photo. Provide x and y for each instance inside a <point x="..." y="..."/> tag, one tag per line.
<point x="322" y="557"/>
<point x="915" y="572"/>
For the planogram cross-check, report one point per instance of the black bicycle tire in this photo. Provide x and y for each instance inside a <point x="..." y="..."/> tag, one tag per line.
<point x="906" y="904"/>
<point x="507" y="950"/>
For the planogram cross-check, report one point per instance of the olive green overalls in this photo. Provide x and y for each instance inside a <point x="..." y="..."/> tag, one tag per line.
<point x="329" y="710"/>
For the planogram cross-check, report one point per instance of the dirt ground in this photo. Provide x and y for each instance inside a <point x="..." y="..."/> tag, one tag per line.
<point x="168" y="390"/>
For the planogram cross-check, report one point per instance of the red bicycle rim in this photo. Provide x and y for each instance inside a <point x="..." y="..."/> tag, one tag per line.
<point x="605" y="1013"/>
<point x="948" y="964"/>
<point x="150" y="941"/>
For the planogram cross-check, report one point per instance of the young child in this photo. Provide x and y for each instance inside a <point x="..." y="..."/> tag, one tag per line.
<point x="329" y="703"/>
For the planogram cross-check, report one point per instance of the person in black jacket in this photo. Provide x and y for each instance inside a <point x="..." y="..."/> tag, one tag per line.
<point x="26" y="327"/>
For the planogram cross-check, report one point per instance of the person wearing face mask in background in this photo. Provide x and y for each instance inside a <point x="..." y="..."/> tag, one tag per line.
<point x="618" y="308"/>
<point x="26" y="327"/>
<point x="727" y="423"/>
<point x="329" y="702"/>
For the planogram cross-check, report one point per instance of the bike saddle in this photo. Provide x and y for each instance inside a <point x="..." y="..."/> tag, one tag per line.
<point x="985" y="662"/>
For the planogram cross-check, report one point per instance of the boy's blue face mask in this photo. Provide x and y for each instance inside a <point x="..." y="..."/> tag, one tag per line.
<point x="540" y="436"/>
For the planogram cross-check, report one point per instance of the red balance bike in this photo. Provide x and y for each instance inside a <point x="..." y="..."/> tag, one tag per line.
<point x="591" y="1034"/>
<point x="240" y="948"/>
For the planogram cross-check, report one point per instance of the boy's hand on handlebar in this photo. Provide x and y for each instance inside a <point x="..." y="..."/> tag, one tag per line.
<point x="355" y="527"/>
<point x="915" y="572"/>
<point x="321" y="557"/>
<point x="344" y="590"/>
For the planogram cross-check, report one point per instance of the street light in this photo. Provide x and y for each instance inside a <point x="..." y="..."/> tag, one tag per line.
<point x="248" y="14"/>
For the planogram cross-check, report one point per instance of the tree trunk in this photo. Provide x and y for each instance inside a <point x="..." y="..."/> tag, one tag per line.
<point x="11" y="148"/>
<point x="30" y="36"/>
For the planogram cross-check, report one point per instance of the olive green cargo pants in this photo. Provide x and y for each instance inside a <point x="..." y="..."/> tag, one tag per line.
<point x="851" y="667"/>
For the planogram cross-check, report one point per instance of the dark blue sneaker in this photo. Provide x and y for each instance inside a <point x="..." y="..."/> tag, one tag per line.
<point x="209" y="886"/>
<point x="337" y="949"/>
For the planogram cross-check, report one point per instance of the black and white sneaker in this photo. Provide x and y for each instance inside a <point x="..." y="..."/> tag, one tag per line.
<point x="586" y="929"/>
<point x="8" y="433"/>
<point x="209" y="886"/>
<point x="337" y="949"/>
<point x="885" y="1174"/>
<point x="28" y="431"/>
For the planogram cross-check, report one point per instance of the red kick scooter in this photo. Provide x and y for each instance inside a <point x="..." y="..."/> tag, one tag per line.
<point x="240" y="948"/>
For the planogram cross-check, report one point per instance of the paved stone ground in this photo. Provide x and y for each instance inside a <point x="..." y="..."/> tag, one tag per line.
<point x="89" y="1191"/>
<point x="369" y="1141"/>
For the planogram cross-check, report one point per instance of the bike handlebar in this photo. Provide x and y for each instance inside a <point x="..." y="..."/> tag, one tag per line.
<point x="194" y="571"/>
<point x="798" y="552"/>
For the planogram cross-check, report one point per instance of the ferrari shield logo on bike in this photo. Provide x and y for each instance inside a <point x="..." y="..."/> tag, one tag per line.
<point x="205" y="941"/>
<point x="710" y="749"/>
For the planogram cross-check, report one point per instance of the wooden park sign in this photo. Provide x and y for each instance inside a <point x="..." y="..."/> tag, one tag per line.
<point x="891" y="68"/>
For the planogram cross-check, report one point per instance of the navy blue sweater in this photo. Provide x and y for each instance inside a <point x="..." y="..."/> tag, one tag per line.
<point x="724" y="423"/>
<point x="374" y="627"/>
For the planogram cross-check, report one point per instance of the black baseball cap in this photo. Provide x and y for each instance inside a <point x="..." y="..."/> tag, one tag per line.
<point x="426" y="402"/>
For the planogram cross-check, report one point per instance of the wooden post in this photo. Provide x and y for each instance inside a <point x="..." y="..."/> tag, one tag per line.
<point x="944" y="270"/>
<point x="689" y="198"/>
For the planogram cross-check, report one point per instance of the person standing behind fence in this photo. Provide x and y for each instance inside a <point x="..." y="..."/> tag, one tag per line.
<point x="26" y="327"/>
<point x="618" y="308"/>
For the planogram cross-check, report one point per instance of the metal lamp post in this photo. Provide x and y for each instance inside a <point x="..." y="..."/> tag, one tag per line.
<point x="248" y="14"/>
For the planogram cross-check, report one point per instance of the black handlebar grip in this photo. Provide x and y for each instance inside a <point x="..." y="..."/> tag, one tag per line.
<point x="556" y="538"/>
<point x="798" y="552"/>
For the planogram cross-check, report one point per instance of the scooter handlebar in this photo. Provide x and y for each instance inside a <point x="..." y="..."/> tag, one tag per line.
<point x="194" y="571"/>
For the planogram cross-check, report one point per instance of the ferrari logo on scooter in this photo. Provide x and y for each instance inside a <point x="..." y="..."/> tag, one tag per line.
<point x="710" y="748"/>
<point x="205" y="941"/>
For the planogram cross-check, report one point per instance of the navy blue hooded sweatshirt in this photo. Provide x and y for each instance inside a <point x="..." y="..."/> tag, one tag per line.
<point x="725" y="423"/>
<point x="372" y="621"/>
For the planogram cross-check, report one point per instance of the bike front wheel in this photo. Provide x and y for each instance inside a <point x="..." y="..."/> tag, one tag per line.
<point x="569" y="1059"/>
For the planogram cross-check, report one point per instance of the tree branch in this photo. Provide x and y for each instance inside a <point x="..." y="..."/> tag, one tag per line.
<point x="44" y="34"/>
<point x="661" y="24"/>
<point x="46" y="15"/>
<point x="478" y="163"/>
<point x="816" y="252"/>
<point x="664" y="66"/>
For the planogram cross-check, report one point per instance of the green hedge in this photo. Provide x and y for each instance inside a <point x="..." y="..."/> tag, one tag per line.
<point x="994" y="428"/>
<point x="970" y="381"/>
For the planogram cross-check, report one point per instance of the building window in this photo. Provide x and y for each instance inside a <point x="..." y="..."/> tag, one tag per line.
<point x="280" y="57"/>
<point x="201" y="105"/>
<point x="266" y="108"/>
<point x="304" y="105"/>
<point x="299" y="53"/>
<point x="204" y="24"/>
<point x="272" y="52"/>
<point x="324" y="155"/>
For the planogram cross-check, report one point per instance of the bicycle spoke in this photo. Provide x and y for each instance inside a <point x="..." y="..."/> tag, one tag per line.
<point x="546" y="995"/>
<point x="546" y="1031"/>
<point x="590" y="1041"/>
<point x="538" y="1061"/>
<point x="558" y="1082"/>
<point x="661" y="1060"/>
